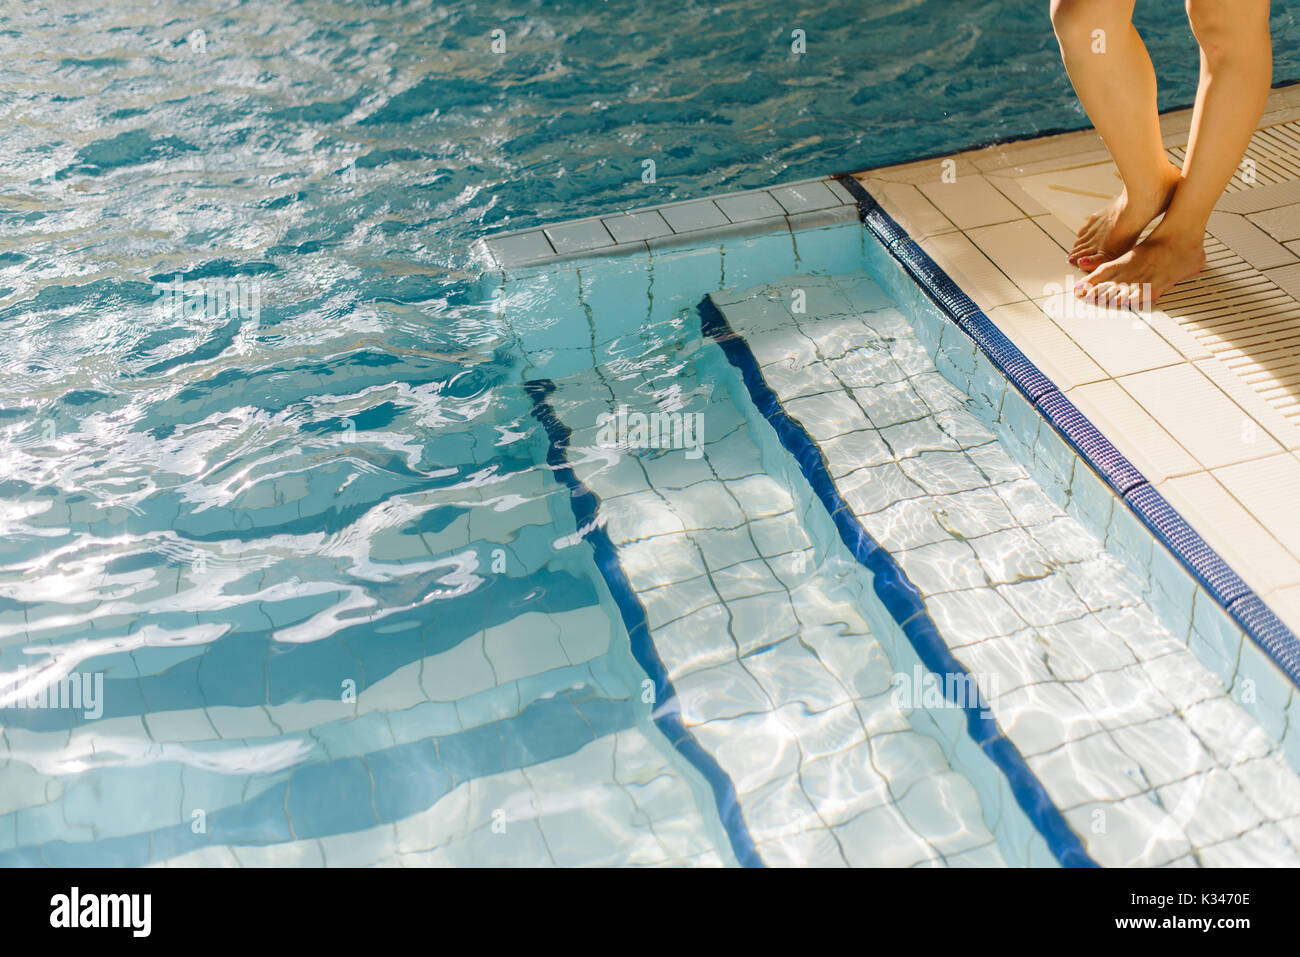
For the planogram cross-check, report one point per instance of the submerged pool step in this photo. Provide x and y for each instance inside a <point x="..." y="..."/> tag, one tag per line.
<point x="552" y="813"/>
<point x="421" y="733"/>
<point x="1133" y="738"/>
<point x="777" y="676"/>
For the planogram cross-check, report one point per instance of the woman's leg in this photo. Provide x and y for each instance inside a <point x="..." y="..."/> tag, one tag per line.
<point x="1113" y="77"/>
<point x="1236" y="70"/>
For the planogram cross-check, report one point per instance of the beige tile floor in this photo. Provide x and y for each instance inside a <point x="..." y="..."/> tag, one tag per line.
<point x="1202" y="393"/>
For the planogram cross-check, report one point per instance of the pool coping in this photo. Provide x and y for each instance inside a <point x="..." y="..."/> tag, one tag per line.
<point x="1169" y="527"/>
<point x="803" y="204"/>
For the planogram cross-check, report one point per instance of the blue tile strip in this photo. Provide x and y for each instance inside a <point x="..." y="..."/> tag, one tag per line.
<point x="1206" y="565"/>
<point x="899" y="596"/>
<point x="585" y="505"/>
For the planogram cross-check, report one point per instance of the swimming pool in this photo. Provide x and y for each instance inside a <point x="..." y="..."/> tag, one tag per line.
<point x="312" y="526"/>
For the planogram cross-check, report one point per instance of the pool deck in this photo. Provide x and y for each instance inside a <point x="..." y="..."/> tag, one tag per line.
<point x="1203" y="392"/>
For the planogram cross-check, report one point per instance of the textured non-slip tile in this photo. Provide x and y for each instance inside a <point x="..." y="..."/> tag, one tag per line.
<point x="1248" y="241"/>
<point x="1196" y="412"/>
<point x="1285" y="431"/>
<point x="910" y="209"/>
<point x="1046" y="344"/>
<point x="1074" y="192"/>
<point x="1269" y="488"/>
<point x="1282" y="223"/>
<point x="927" y="170"/>
<point x="1287" y="278"/>
<point x="1062" y="149"/>
<point x="1139" y="436"/>
<point x="1013" y="191"/>
<point x="972" y="270"/>
<point x="970" y="201"/>
<point x="1061" y="234"/>
<point x="1244" y="541"/>
<point x="1031" y="258"/>
<point x="1260" y="198"/>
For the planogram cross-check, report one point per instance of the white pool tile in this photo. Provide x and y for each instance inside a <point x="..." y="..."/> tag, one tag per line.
<point x="973" y="271"/>
<point x="910" y="208"/>
<point x="1137" y="434"/>
<point x="1269" y="489"/>
<point x="970" y="201"/>
<point x="1198" y="415"/>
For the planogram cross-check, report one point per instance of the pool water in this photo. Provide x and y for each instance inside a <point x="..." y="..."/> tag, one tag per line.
<point x="296" y="536"/>
<point x="697" y="672"/>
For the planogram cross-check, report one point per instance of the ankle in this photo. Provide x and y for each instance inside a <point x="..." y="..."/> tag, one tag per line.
<point x="1154" y="195"/>
<point x="1180" y="230"/>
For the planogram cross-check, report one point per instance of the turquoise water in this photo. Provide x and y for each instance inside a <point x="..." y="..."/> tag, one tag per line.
<point x="237" y="511"/>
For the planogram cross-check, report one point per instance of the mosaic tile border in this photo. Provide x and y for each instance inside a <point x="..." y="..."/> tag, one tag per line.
<point x="585" y="504"/>
<point x="1208" y="568"/>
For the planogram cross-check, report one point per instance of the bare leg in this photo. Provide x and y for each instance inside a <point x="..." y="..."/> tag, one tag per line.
<point x="1236" y="70"/>
<point x="1113" y="77"/>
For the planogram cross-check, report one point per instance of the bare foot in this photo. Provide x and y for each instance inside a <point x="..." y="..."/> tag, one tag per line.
<point x="1112" y="230"/>
<point x="1152" y="267"/>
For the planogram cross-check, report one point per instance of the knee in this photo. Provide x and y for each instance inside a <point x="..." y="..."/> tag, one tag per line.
<point x="1220" y="26"/>
<point x="1077" y="21"/>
